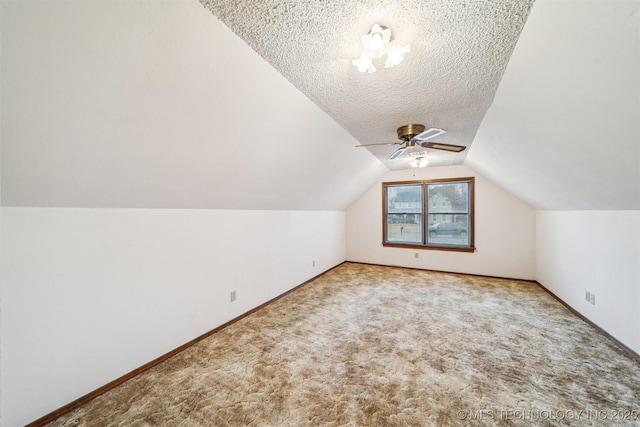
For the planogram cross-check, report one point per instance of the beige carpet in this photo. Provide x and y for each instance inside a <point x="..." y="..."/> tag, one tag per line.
<point x="373" y="346"/>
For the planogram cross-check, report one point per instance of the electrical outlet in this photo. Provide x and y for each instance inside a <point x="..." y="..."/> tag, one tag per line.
<point x="233" y="296"/>
<point x="314" y="263"/>
<point x="593" y="299"/>
<point x="416" y="255"/>
<point x="587" y="296"/>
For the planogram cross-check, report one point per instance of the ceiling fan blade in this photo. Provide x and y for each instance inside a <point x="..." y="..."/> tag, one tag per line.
<point x="441" y="146"/>
<point x="428" y="134"/>
<point x="397" y="153"/>
<point x="381" y="143"/>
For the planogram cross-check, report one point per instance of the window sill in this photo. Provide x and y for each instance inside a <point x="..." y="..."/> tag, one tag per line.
<point x="430" y="247"/>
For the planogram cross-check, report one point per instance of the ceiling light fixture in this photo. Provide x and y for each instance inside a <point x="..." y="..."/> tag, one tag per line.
<point x="375" y="45"/>
<point x="419" y="160"/>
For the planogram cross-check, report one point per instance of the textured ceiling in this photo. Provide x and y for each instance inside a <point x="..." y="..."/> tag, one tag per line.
<point x="459" y="51"/>
<point x="163" y="105"/>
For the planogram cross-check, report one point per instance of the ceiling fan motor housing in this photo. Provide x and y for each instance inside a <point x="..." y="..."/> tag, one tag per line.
<point x="407" y="132"/>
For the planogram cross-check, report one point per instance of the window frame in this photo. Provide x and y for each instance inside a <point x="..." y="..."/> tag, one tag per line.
<point x="425" y="215"/>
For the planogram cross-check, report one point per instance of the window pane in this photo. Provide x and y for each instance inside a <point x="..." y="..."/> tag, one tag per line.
<point x="451" y="229"/>
<point x="444" y="220"/>
<point x="404" y="199"/>
<point x="404" y="214"/>
<point x="449" y="197"/>
<point x="404" y="228"/>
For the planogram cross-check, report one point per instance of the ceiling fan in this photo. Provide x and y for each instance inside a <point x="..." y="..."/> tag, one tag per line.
<point x="415" y="135"/>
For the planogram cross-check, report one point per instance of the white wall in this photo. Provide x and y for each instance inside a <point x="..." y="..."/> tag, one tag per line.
<point x="504" y="231"/>
<point x="599" y="252"/>
<point x="90" y="294"/>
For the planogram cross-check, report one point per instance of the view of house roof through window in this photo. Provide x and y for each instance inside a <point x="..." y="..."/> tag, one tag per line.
<point x="429" y="214"/>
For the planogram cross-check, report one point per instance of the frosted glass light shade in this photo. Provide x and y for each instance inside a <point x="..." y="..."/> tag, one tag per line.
<point x="396" y="54"/>
<point x="419" y="162"/>
<point x="376" y="44"/>
<point x="364" y="63"/>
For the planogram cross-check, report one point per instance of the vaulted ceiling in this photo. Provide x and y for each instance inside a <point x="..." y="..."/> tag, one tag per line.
<point x="256" y="105"/>
<point x="159" y="105"/>
<point x="563" y="132"/>
<point x="459" y="50"/>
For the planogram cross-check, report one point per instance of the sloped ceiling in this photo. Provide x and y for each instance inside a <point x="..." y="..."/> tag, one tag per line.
<point x="159" y="105"/>
<point x="459" y="50"/>
<point x="563" y="132"/>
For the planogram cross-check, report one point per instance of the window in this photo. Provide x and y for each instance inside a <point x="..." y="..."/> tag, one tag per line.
<point x="434" y="214"/>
